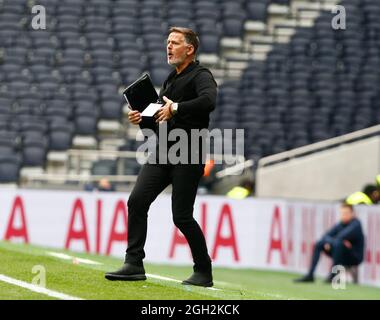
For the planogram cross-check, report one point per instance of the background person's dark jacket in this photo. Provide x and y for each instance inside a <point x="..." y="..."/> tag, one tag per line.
<point x="352" y="232"/>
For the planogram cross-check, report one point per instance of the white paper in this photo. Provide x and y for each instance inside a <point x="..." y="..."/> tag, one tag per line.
<point x="151" y="109"/>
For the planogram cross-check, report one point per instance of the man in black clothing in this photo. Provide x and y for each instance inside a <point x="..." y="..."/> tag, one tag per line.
<point x="189" y="94"/>
<point x="344" y="243"/>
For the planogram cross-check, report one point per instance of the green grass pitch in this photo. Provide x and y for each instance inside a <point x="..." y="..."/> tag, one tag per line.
<point x="87" y="281"/>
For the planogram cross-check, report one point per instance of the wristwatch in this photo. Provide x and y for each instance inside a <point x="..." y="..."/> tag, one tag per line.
<point x="174" y="108"/>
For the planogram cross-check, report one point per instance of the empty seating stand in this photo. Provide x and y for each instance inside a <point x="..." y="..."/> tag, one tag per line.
<point x="322" y="84"/>
<point x="59" y="82"/>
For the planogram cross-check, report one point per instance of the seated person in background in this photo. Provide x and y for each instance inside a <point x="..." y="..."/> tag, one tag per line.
<point x="105" y="185"/>
<point x="370" y="195"/>
<point x="242" y="191"/>
<point x="344" y="243"/>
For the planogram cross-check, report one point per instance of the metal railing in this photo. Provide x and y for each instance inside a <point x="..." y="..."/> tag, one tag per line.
<point x="319" y="146"/>
<point x="235" y="170"/>
<point x="76" y="160"/>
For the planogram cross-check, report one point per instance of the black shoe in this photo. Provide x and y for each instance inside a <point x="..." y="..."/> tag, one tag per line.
<point x="306" y="278"/>
<point x="128" y="272"/>
<point x="202" y="279"/>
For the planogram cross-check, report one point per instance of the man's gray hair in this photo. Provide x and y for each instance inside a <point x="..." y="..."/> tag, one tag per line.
<point x="190" y="36"/>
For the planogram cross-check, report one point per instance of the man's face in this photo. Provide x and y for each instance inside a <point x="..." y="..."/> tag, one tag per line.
<point x="177" y="49"/>
<point x="104" y="184"/>
<point x="375" y="196"/>
<point x="346" y="215"/>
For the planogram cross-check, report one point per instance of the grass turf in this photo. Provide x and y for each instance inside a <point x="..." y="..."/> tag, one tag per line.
<point x="87" y="281"/>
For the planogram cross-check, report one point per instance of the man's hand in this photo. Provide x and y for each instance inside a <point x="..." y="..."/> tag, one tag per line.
<point x="134" y="117"/>
<point x="327" y="247"/>
<point x="347" y="244"/>
<point x="165" y="113"/>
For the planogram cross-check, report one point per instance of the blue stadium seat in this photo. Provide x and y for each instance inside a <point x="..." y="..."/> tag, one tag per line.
<point x="54" y="114"/>
<point x="60" y="136"/>
<point x="233" y="27"/>
<point x="111" y="108"/>
<point x="33" y="152"/>
<point x="257" y="11"/>
<point x="104" y="168"/>
<point x="85" y="123"/>
<point x="9" y="168"/>
<point x="210" y="44"/>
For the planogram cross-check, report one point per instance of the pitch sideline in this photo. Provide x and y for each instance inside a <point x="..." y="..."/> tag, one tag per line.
<point x="92" y="262"/>
<point x="38" y="289"/>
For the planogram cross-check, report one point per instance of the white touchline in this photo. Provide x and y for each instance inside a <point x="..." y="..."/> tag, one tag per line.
<point x="59" y="255"/>
<point x="154" y="276"/>
<point x="75" y="259"/>
<point x="33" y="287"/>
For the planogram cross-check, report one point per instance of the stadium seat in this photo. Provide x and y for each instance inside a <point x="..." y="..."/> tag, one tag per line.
<point x="110" y="108"/>
<point x="104" y="168"/>
<point x="60" y="136"/>
<point x="33" y="152"/>
<point x="233" y="27"/>
<point x="9" y="168"/>
<point x="210" y="44"/>
<point x="85" y="123"/>
<point x="257" y="11"/>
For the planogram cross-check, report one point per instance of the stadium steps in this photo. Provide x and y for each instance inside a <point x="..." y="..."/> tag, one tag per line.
<point x="256" y="43"/>
<point x="281" y="24"/>
<point x="84" y="142"/>
<point x="27" y="173"/>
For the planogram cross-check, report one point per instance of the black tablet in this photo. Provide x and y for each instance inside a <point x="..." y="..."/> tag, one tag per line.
<point x="141" y="93"/>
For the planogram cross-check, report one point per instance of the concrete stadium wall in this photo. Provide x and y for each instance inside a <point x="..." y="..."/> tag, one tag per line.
<point x="326" y="175"/>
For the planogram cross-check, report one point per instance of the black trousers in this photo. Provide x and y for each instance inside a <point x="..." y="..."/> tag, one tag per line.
<point x="152" y="180"/>
<point x="339" y="253"/>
